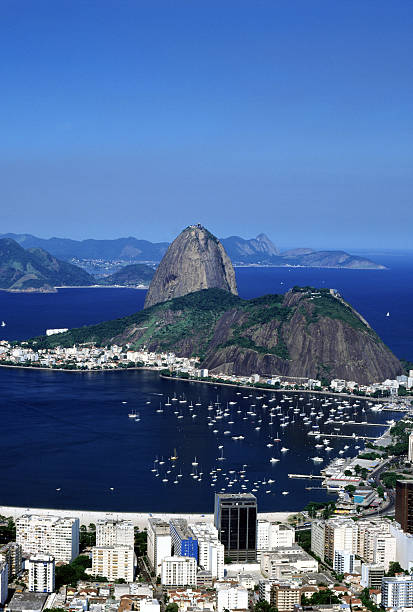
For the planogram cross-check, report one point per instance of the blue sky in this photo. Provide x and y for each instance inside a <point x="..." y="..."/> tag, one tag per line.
<point x="292" y="117"/>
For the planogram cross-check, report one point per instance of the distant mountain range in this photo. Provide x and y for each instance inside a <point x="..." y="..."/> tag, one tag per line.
<point x="241" y="251"/>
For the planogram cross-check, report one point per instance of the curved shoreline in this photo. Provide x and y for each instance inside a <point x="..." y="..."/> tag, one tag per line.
<point x="206" y="382"/>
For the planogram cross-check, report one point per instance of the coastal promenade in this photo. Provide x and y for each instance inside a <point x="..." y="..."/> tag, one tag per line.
<point x="138" y="519"/>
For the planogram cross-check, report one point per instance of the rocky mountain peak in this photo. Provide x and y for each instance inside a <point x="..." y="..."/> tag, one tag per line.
<point x="195" y="260"/>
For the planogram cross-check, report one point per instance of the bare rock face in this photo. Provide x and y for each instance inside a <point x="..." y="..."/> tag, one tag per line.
<point x="195" y="260"/>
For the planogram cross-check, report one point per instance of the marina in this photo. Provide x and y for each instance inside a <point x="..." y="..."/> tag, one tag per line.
<point x="161" y="444"/>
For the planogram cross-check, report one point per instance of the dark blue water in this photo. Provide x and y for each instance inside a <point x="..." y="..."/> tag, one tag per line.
<point x="71" y="431"/>
<point x="372" y="292"/>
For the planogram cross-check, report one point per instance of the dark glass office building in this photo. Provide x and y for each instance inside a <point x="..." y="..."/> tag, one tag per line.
<point x="404" y="504"/>
<point x="235" y="518"/>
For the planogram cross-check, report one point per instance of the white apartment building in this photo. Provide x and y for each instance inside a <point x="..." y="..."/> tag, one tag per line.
<point x="114" y="533"/>
<point x="231" y="598"/>
<point x="159" y="544"/>
<point x="339" y="534"/>
<point x="343" y="562"/>
<point x="210" y="550"/>
<point x="397" y="592"/>
<point x="318" y="532"/>
<point x="114" y="562"/>
<point x="41" y="574"/>
<point x="273" y="535"/>
<point x="51" y="535"/>
<point x="178" y="571"/>
<point x="4" y="582"/>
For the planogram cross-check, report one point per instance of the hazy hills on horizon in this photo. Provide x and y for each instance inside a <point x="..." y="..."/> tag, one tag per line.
<point x="255" y="251"/>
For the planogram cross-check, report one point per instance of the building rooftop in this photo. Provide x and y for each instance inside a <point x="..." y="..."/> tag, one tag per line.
<point x="27" y="601"/>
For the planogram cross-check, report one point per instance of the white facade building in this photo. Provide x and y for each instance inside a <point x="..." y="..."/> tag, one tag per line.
<point x="343" y="562"/>
<point x="114" y="562"/>
<point x="4" y="582"/>
<point x="41" y="574"/>
<point x="231" y="598"/>
<point x="273" y="535"/>
<point x="113" y="533"/>
<point x="210" y="550"/>
<point x="159" y="543"/>
<point x="51" y="535"/>
<point x="178" y="571"/>
<point x="397" y="592"/>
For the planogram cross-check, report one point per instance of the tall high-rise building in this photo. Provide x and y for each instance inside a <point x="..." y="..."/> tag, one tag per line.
<point x="41" y="574"/>
<point x="235" y="518"/>
<point x="11" y="554"/>
<point x="51" y="535"/>
<point x="113" y="533"/>
<point x="404" y="505"/>
<point x="184" y="542"/>
<point x="159" y="543"/>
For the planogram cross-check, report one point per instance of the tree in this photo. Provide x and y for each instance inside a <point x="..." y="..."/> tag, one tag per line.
<point x="321" y="597"/>
<point x="395" y="568"/>
<point x="350" y="489"/>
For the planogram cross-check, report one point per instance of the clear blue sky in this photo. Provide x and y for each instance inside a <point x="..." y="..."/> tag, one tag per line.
<point x="139" y="117"/>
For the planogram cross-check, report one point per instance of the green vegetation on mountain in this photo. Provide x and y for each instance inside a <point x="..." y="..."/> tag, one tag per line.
<point x="293" y="334"/>
<point x="129" y="276"/>
<point x="35" y="269"/>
